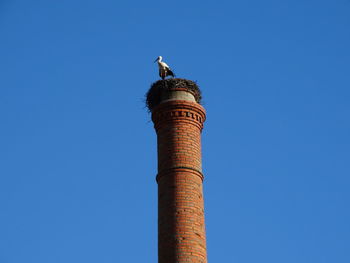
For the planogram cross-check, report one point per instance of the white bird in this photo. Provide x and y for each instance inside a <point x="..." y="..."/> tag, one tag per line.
<point x="164" y="69"/>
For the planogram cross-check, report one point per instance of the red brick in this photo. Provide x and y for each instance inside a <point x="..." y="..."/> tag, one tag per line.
<point x="181" y="228"/>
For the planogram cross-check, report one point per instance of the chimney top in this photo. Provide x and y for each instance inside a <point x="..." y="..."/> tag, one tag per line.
<point x="172" y="89"/>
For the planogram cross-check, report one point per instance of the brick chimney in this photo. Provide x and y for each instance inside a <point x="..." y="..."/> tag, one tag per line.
<point x="178" y="120"/>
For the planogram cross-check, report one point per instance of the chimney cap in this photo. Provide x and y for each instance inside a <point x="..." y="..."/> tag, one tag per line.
<point x="155" y="94"/>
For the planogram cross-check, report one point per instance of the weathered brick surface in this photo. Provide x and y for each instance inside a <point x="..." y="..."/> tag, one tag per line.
<point x="181" y="228"/>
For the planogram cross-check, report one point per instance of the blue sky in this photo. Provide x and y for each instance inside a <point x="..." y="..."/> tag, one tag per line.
<point x="78" y="150"/>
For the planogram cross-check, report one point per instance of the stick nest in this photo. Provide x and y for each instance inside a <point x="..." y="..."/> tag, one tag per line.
<point x="153" y="96"/>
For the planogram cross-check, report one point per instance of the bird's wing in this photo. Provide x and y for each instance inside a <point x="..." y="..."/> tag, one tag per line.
<point x="167" y="69"/>
<point x="170" y="73"/>
<point x="165" y="65"/>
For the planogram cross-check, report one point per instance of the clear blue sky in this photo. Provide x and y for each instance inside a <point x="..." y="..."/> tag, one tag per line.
<point x="78" y="150"/>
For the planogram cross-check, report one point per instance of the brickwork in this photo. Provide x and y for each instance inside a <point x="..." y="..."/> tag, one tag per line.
<point x="181" y="228"/>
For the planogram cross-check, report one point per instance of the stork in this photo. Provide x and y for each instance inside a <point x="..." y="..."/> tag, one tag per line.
<point x="164" y="69"/>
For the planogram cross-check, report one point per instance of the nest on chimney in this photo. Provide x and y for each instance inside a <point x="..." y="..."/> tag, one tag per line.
<point x="153" y="96"/>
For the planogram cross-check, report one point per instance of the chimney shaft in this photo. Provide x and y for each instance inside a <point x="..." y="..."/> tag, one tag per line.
<point x="178" y="120"/>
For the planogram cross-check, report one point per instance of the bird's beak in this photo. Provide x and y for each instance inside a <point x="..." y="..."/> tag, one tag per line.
<point x="155" y="60"/>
